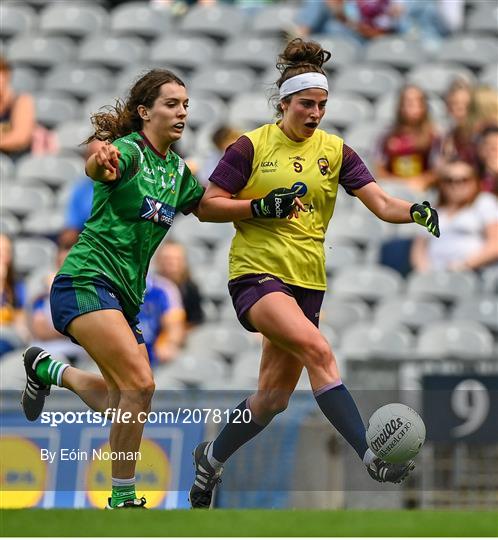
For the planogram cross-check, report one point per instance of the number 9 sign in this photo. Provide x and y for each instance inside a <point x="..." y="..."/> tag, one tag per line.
<point x="470" y="402"/>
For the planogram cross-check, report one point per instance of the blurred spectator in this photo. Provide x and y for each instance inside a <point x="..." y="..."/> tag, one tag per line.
<point x="171" y="262"/>
<point x="12" y="316"/>
<point x="79" y="204"/>
<point x="408" y="150"/>
<point x="487" y="151"/>
<point x="223" y="137"/>
<point x="468" y="220"/>
<point x="162" y="320"/>
<point x="458" y="143"/>
<point x="17" y="116"/>
<point x="484" y="109"/>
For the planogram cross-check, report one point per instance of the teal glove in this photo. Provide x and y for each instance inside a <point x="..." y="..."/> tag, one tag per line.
<point x="277" y="204"/>
<point x="425" y="215"/>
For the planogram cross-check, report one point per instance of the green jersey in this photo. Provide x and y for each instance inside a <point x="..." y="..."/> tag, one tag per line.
<point x="131" y="216"/>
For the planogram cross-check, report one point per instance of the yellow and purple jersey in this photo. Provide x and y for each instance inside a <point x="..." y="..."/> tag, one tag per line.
<point x="265" y="159"/>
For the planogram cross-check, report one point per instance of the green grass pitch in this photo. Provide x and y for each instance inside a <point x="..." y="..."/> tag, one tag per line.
<point x="247" y="523"/>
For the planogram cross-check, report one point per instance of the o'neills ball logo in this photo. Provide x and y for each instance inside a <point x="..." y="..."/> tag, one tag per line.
<point x="323" y="165"/>
<point x="389" y="430"/>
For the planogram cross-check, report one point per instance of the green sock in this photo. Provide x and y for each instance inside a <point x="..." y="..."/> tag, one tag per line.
<point x="122" y="493"/>
<point x="50" y="371"/>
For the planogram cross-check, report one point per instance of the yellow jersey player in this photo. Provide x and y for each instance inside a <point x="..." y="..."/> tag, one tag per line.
<point x="277" y="266"/>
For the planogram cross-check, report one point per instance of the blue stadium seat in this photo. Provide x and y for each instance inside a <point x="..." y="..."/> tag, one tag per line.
<point x="345" y="52"/>
<point x="40" y="51"/>
<point x="17" y="19"/>
<point x="141" y="19"/>
<point x="474" y="51"/>
<point x="455" y="340"/>
<point x="444" y="286"/>
<point x="220" y="21"/>
<point x="184" y="52"/>
<point x="250" y="51"/>
<point x="370" y="81"/>
<point x="77" y="81"/>
<point x="277" y="20"/>
<point x="481" y="309"/>
<point x="52" y="108"/>
<point x="395" y="51"/>
<point x="483" y="19"/>
<point x="437" y="77"/>
<point x="74" y="19"/>
<point x="410" y="312"/>
<point x="223" y="81"/>
<point x="25" y="79"/>
<point x="112" y="51"/>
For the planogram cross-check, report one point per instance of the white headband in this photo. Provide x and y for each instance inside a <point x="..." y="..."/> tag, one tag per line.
<point x="302" y="82"/>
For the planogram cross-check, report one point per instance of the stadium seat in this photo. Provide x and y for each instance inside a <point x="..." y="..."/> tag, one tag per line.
<point x="330" y="334"/>
<point x="484" y="19"/>
<point x="250" y="110"/>
<point x="141" y="19"/>
<point x="367" y="80"/>
<point x="216" y="20"/>
<point x="212" y="282"/>
<point x="23" y="200"/>
<point x="363" y="139"/>
<point x="359" y="227"/>
<point x="444" y="286"/>
<point x="33" y="253"/>
<point x="9" y="224"/>
<point x="205" y="233"/>
<point x="395" y="51"/>
<point x="193" y="369"/>
<point x="70" y="135"/>
<point x="11" y="377"/>
<point x="483" y="310"/>
<point x="17" y="19"/>
<point x="490" y="280"/>
<point x="184" y="52"/>
<point x="222" y="81"/>
<point x="437" y="77"/>
<point x="474" y="51"/>
<point x="79" y="82"/>
<point x="458" y="340"/>
<point x="204" y="109"/>
<point x="369" y="283"/>
<point x="347" y="109"/>
<point x="410" y="312"/>
<point x="340" y="255"/>
<point x="7" y="167"/>
<point x="53" y="108"/>
<point x="276" y="20"/>
<point x="51" y="170"/>
<point x="112" y="51"/>
<point x="345" y="52"/>
<point x="128" y="76"/>
<point x="246" y="367"/>
<point x="99" y="102"/>
<point x="385" y="108"/>
<point x="40" y="51"/>
<point x="340" y="313"/>
<point x="367" y="341"/>
<point x="43" y="223"/>
<point x="250" y="51"/>
<point x="25" y="79"/>
<point x="74" y="19"/>
<point x="489" y="76"/>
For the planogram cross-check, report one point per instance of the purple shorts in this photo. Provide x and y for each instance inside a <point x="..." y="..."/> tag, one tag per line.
<point x="247" y="290"/>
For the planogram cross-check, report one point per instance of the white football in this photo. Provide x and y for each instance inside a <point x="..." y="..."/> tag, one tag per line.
<point x="395" y="433"/>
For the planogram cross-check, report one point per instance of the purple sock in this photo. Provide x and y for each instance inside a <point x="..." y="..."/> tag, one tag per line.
<point x="339" y="407"/>
<point x="236" y="433"/>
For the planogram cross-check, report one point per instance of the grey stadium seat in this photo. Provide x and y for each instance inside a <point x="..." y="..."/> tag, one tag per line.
<point x="395" y="51"/>
<point x="250" y="110"/>
<point x="483" y="19"/>
<point x="128" y="76"/>
<point x="274" y="19"/>
<point x="489" y="76"/>
<point x="465" y="340"/>
<point x="483" y="310"/>
<point x="437" y="77"/>
<point x="44" y="222"/>
<point x="473" y="51"/>
<point x="340" y="255"/>
<point x="40" y="51"/>
<point x="347" y="109"/>
<point x="370" y="283"/>
<point x="23" y="200"/>
<point x="212" y="282"/>
<point x="444" y="286"/>
<point x="25" y="79"/>
<point x="16" y="19"/>
<point x="367" y="80"/>
<point x="7" y="167"/>
<point x="9" y="224"/>
<point x="98" y="103"/>
<point x="223" y="81"/>
<point x="254" y="52"/>
<point x="345" y="52"/>
<point x="361" y="228"/>
<point x="362" y="138"/>
<point x="205" y="109"/>
<point x="80" y="82"/>
<point x="184" y="52"/>
<point x="367" y="341"/>
<point x="341" y="314"/>
<point x="53" y="108"/>
<point x="70" y="135"/>
<point x="215" y="20"/>
<point x="75" y="19"/>
<point x="33" y="254"/>
<point x="52" y="170"/>
<point x="140" y="18"/>
<point x="410" y="312"/>
<point x="112" y="51"/>
<point x="490" y="280"/>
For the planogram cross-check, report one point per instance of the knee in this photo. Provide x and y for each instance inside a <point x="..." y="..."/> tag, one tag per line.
<point x="317" y="353"/>
<point x="139" y="388"/>
<point x="266" y="406"/>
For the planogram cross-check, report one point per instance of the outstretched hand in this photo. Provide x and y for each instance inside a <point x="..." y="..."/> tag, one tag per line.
<point x="107" y="157"/>
<point x="425" y="215"/>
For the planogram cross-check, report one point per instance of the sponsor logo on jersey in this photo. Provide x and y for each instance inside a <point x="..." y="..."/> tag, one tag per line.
<point x="296" y="158"/>
<point x="323" y="165"/>
<point x="301" y="188"/>
<point x="267" y="278"/>
<point x="158" y="212"/>
<point x="269" y="166"/>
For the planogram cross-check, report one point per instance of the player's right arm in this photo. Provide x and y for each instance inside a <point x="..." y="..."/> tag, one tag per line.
<point x="103" y="166"/>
